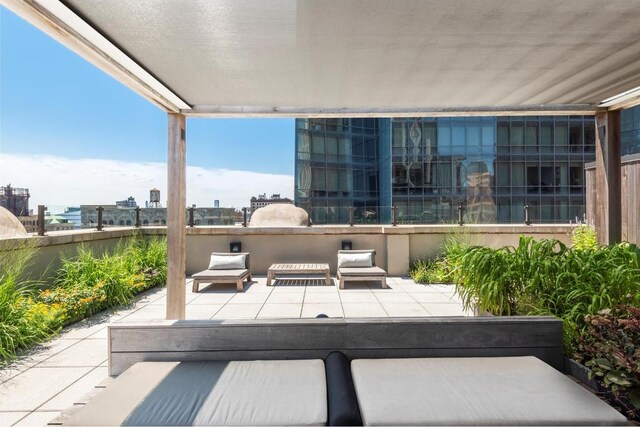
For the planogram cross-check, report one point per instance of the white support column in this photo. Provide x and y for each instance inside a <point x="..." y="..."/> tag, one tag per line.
<point x="176" y="216"/>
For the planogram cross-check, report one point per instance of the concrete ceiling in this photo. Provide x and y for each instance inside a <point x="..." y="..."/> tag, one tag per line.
<point x="376" y="56"/>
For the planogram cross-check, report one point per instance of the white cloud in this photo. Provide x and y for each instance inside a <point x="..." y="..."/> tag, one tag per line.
<point x="59" y="181"/>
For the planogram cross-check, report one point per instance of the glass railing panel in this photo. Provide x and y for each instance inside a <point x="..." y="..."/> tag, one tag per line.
<point x="486" y="212"/>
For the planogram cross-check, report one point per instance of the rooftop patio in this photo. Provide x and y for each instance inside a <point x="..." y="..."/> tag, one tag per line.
<point x="314" y="65"/>
<point x="61" y="373"/>
<point x="321" y="59"/>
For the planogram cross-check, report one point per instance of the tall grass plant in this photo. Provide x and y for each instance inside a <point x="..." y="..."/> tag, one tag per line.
<point x="546" y="277"/>
<point x="85" y="284"/>
<point x="446" y="265"/>
<point x="88" y="283"/>
<point x="23" y="321"/>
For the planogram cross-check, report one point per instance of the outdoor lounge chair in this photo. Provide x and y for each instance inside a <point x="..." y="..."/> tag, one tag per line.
<point x="225" y="268"/>
<point x="359" y="265"/>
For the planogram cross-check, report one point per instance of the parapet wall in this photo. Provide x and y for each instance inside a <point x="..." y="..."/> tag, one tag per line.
<point x="395" y="247"/>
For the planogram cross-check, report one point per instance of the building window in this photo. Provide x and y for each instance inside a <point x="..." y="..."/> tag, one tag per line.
<point x="630" y="131"/>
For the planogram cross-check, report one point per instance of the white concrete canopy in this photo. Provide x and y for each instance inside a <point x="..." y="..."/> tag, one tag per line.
<point x="370" y="57"/>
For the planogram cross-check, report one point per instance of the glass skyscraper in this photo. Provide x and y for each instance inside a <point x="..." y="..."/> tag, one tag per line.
<point x="427" y="167"/>
<point x="337" y="167"/>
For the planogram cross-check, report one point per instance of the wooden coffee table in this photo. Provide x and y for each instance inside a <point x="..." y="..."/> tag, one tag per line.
<point x="298" y="269"/>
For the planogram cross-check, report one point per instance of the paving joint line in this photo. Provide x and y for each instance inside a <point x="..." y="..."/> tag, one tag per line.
<point x="67" y="387"/>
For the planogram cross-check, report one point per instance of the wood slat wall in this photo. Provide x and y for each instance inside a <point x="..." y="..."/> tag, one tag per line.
<point x="629" y="200"/>
<point x="316" y="338"/>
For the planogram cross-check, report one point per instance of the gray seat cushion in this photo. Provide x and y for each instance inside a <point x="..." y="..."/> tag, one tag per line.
<point x="473" y="391"/>
<point x="216" y="274"/>
<point x="362" y="271"/>
<point x="275" y="392"/>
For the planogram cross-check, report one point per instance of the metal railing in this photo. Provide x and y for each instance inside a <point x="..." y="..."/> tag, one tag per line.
<point x="100" y="217"/>
<point x="449" y="213"/>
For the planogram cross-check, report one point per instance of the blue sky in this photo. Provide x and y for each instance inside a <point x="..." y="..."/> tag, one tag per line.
<point x="55" y="104"/>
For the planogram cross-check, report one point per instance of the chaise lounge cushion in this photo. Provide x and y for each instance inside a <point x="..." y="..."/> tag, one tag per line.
<point x="355" y="259"/>
<point x="216" y="274"/>
<point x="473" y="391"/>
<point x="212" y="393"/>
<point x="362" y="271"/>
<point x="227" y="261"/>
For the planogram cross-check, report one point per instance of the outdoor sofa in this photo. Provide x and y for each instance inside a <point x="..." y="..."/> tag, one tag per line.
<point x="225" y="268"/>
<point x="359" y="265"/>
<point x="430" y="371"/>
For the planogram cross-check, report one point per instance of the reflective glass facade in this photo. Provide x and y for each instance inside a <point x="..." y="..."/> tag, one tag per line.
<point x="630" y="131"/>
<point x="337" y="167"/>
<point x="427" y="167"/>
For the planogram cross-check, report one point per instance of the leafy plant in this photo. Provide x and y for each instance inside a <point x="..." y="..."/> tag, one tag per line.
<point x="444" y="267"/>
<point x="610" y="347"/>
<point x="494" y="279"/>
<point x="421" y="271"/>
<point x="584" y="237"/>
<point x="492" y="287"/>
<point x="546" y="277"/>
<point x="22" y="321"/>
<point x="87" y="284"/>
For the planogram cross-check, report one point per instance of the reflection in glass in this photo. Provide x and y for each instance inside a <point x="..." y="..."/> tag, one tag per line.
<point x="426" y="167"/>
<point x="630" y="131"/>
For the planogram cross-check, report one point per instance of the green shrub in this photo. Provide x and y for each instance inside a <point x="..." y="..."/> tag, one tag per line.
<point x="87" y="284"/>
<point x="151" y="260"/>
<point x="429" y="271"/>
<point x="23" y="322"/>
<point x="546" y="277"/>
<point x="419" y="270"/>
<point x="584" y="237"/>
<point x="610" y="347"/>
<point x="444" y="267"/>
<point x="589" y="281"/>
<point x="494" y="279"/>
<point x="454" y="248"/>
<point x="84" y="285"/>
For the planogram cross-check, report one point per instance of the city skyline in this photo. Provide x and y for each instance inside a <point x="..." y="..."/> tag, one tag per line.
<point x="61" y="119"/>
<point x="104" y="181"/>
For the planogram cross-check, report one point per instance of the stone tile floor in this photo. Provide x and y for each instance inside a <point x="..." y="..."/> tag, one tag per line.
<point x="55" y="376"/>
